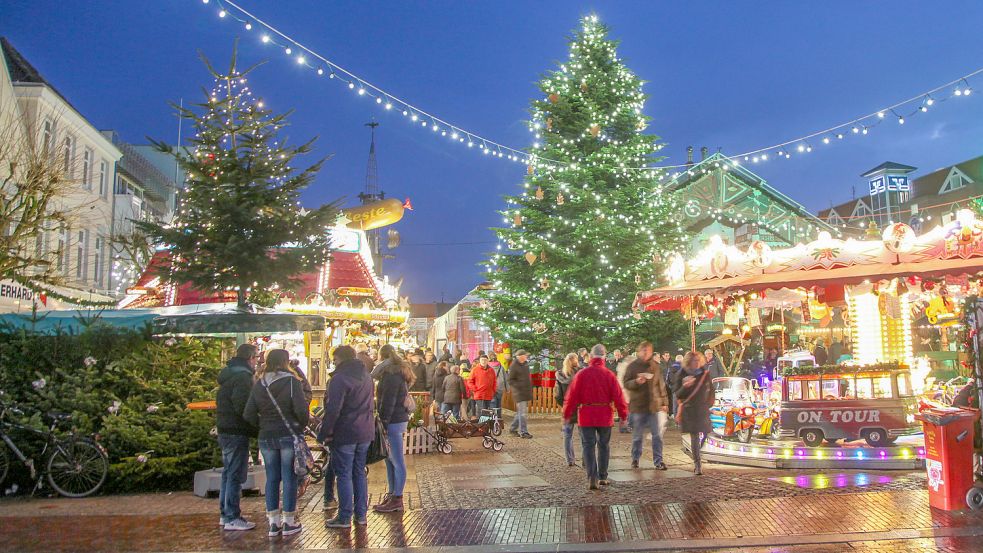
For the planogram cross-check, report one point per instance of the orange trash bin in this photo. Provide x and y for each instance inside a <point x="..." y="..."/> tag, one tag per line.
<point x="948" y="455"/>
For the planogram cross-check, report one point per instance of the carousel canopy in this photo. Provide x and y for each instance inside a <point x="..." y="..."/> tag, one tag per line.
<point x="953" y="249"/>
<point x="232" y="320"/>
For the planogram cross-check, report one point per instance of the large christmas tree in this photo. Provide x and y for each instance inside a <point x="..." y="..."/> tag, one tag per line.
<point x="590" y="229"/>
<point x="239" y="224"/>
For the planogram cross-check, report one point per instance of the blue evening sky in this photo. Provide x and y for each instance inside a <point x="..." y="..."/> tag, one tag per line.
<point x="737" y="75"/>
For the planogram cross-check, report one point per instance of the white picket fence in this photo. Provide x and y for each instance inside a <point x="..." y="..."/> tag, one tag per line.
<point x="417" y="441"/>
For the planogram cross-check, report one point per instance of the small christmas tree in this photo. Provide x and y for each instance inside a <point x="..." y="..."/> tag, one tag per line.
<point x="239" y="224"/>
<point x="591" y="228"/>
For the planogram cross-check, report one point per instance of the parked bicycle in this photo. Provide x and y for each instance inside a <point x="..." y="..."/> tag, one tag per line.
<point x="75" y="466"/>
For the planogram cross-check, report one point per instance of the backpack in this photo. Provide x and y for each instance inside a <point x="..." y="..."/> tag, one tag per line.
<point x="559" y="392"/>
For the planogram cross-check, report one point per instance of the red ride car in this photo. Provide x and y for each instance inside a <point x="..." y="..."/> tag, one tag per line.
<point x="876" y="405"/>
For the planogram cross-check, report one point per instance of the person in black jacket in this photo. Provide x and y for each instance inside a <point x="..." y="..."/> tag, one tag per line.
<point x="277" y="405"/>
<point x="394" y="387"/>
<point x="420" y="383"/>
<point x="437" y="387"/>
<point x="234" y="385"/>
<point x="521" y="385"/>
<point x="693" y="389"/>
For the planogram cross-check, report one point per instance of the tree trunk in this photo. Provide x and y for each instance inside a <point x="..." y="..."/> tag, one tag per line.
<point x="241" y="297"/>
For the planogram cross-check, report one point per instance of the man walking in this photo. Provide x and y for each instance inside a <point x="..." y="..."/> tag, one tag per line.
<point x="235" y="384"/>
<point x="501" y="383"/>
<point x="714" y="366"/>
<point x="521" y="384"/>
<point x="648" y="404"/>
<point x="349" y="428"/>
<point x="483" y="385"/>
<point x="591" y="394"/>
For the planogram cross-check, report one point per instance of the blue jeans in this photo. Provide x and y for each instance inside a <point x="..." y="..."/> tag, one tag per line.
<point x="519" y="422"/>
<point x="596" y="460"/>
<point x="567" y="430"/>
<point x="644" y="423"/>
<point x="278" y="457"/>
<point x="235" y="468"/>
<point x="496" y="402"/>
<point x="396" y="463"/>
<point x="452" y="407"/>
<point x="480" y="405"/>
<point x="353" y="485"/>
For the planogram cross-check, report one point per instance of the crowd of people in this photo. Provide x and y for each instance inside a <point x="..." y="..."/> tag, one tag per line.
<point x="269" y="399"/>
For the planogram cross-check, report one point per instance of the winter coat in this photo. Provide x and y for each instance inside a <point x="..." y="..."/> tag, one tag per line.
<point x="454" y="389"/>
<point x="381" y="367"/>
<point x="591" y="394"/>
<point x="366" y="360"/>
<point x="420" y="384"/>
<point x="501" y="379"/>
<point x="562" y="387"/>
<point x="835" y="351"/>
<point x="695" y="416"/>
<point x="482" y="383"/>
<point x="235" y="384"/>
<point x="348" y="406"/>
<point x="642" y="397"/>
<point x="437" y="390"/>
<point x="519" y="381"/>
<point x="391" y="393"/>
<point x="821" y="355"/>
<point x="715" y="367"/>
<point x="431" y="367"/>
<point x="288" y="392"/>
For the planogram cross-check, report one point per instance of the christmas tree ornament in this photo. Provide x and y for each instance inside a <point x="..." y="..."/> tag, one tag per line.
<point x="583" y="87"/>
<point x="530" y="169"/>
<point x="544" y="283"/>
<point x="539" y="193"/>
<point x="512" y="245"/>
<point x="530" y="258"/>
<point x="549" y="123"/>
<point x="559" y="199"/>
<point x="595" y="130"/>
<point x="638" y="279"/>
<point x="554" y="97"/>
<point x="517" y="220"/>
<point x="542" y="256"/>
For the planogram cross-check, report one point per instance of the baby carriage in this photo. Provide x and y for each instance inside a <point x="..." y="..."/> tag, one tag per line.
<point x="317" y="450"/>
<point x="449" y="427"/>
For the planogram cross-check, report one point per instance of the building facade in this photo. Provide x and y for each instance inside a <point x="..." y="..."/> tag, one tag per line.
<point x="87" y="158"/>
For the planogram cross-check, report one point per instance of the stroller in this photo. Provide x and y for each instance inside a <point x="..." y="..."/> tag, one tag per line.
<point x="317" y="450"/>
<point x="487" y="427"/>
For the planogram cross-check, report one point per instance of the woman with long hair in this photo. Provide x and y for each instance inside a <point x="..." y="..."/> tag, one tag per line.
<point x="694" y="397"/>
<point x="394" y="384"/>
<point x="571" y="364"/>
<point x="278" y="406"/>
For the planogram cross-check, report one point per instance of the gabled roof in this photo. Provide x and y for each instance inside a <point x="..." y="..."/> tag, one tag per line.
<point x="931" y="184"/>
<point x="889" y="166"/>
<point x="753" y="182"/>
<point x="21" y="70"/>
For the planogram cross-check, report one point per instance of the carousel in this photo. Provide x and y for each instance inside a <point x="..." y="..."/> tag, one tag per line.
<point x="867" y="329"/>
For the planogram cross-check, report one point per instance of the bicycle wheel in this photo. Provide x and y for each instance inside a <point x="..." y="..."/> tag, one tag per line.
<point x="77" y="468"/>
<point x="4" y="463"/>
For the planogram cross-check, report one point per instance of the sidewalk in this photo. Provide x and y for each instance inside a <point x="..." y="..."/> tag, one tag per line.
<point x="526" y="499"/>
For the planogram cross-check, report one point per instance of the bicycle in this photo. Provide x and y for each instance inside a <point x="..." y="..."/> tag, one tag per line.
<point x="76" y="466"/>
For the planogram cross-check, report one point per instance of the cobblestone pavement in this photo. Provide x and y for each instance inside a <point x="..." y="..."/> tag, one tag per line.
<point x="526" y="498"/>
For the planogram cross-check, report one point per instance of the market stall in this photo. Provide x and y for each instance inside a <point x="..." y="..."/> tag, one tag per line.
<point x="853" y="305"/>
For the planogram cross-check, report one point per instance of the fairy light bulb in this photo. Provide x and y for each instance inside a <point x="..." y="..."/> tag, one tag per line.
<point x="266" y="38"/>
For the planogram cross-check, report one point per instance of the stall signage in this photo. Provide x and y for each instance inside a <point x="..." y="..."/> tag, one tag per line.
<point x="345" y="240"/>
<point x="355" y="291"/>
<point x="375" y="215"/>
<point x="845" y="416"/>
<point x="14" y="291"/>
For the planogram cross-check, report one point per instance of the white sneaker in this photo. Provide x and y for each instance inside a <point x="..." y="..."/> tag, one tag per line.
<point x="239" y="524"/>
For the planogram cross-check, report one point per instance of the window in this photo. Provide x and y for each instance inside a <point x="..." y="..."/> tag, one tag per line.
<point x="955" y="180"/>
<point x="904" y="385"/>
<point x="103" y="175"/>
<point x="47" y="135"/>
<point x="803" y="389"/>
<point x="97" y="262"/>
<point x="87" y="169"/>
<point x="39" y="244"/>
<point x="80" y="256"/>
<point x="860" y="209"/>
<point x="121" y="186"/>
<point x="831" y="389"/>
<point x="63" y="235"/>
<point x="882" y="387"/>
<point x="66" y="152"/>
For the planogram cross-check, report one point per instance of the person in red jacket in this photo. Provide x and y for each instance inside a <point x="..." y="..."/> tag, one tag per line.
<point x="483" y="385"/>
<point x="590" y="396"/>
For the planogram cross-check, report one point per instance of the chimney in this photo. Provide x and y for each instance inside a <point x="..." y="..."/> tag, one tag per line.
<point x="703" y="153"/>
<point x="689" y="155"/>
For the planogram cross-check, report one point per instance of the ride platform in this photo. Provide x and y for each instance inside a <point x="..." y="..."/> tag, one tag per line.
<point x="908" y="453"/>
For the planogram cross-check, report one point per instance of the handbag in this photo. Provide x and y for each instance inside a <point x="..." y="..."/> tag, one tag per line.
<point x="681" y="402"/>
<point x="379" y="448"/>
<point x="303" y="458"/>
<point x="409" y="403"/>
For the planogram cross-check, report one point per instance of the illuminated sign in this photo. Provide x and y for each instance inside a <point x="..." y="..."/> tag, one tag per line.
<point x="877" y="186"/>
<point x="353" y="291"/>
<point x="345" y="240"/>
<point x="898" y="183"/>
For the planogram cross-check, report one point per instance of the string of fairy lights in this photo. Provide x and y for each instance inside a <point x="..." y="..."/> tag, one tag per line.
<point x="900" y="112"/>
